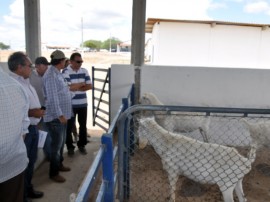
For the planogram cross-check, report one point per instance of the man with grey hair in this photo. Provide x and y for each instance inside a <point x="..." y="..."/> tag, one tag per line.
<point x="20" y="66"/>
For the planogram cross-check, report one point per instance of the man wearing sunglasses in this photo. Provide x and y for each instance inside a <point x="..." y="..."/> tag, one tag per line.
<point x="79" y="82"/>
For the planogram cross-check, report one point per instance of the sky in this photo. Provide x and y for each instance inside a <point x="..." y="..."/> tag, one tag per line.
<point x="69" y="22"/>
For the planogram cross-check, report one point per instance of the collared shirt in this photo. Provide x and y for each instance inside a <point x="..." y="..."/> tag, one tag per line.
<point x="36" y="81"/>
<point x="32" y="95"/>
<point x="82" y="75"/>
<point x="57" y="95"/>
<point x="14" y="123"/>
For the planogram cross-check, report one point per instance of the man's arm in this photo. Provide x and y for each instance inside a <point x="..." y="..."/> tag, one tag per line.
<point x="86" y="87"/>
<point x="37" y="113"/>
<point x="76" y="86"/>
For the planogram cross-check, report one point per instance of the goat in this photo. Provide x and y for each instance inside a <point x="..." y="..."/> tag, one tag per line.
<point x="181" y="123"/>
<point x="199" y="161"/>
<point x="259" y="132"/>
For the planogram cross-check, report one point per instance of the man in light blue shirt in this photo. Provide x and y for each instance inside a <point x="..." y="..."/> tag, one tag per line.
<point x="58" y="111"/>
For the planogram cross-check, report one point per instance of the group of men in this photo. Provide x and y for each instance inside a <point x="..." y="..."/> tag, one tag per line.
<point x="48" y="98"/>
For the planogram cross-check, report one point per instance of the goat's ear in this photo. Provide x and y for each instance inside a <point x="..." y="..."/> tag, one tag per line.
<point x="245" y="122"/>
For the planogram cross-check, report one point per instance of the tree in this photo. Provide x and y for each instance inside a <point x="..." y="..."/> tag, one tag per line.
<point x="93" y="44"/>
<point x="4" y="46"/>
<point x="110" y="42"/>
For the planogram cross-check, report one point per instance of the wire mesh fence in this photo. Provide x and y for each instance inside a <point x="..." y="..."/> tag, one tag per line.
<point x="184" y="156"/>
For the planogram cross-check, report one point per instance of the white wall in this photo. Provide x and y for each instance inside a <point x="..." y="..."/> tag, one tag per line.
<point x="195" y="44"/>
<point x="195" y="86"/>
<point x="207" y="86"/>
<point x="122" y="76"/>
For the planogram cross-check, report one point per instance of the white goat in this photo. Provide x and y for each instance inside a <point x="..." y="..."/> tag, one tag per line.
<point x="199" y="161"/>
<point x="180" y="123"/>
<point x="259" y="132"/>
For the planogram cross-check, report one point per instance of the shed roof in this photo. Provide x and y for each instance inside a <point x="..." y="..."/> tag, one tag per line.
<point x="151" y="21"/>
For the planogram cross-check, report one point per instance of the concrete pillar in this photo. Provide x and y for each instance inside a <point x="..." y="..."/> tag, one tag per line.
<point x="32" y="28"/>
<point x="138" y="42"/>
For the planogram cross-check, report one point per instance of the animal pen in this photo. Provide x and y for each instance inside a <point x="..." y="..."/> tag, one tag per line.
<point x="216" y="158"/>
<point x="186" y="167"/>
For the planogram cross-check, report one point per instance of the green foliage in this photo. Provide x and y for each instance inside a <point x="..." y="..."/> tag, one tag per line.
<point x="110" y="42"/>
<point x="93" y="44"/>
<point x="4" y="46"/>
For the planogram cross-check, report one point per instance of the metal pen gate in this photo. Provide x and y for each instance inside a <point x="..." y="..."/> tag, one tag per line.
<point x="101" y="96"/>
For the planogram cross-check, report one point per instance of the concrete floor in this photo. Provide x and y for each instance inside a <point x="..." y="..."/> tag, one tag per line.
<point x="79" y="164"/>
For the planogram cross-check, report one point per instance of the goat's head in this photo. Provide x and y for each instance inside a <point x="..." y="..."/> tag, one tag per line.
<point x="259" y="132"/>
<point x="150" y="99"/>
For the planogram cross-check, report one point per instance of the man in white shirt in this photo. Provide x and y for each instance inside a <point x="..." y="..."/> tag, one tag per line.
<point x="14" y="124"/>
<point x="20" y="66"/>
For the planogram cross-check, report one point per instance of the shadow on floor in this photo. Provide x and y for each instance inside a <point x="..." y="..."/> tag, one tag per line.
<point x="79" y="164"/>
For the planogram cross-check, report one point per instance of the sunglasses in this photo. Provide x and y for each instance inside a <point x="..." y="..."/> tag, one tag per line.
<point x="79" y="62"/>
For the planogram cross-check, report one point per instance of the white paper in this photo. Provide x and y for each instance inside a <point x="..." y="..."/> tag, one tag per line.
<point x="42" y="138"/>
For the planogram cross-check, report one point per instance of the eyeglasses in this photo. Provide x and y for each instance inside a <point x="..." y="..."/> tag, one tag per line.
<point x="30" y="65"/>
<point x="79" y="62"/>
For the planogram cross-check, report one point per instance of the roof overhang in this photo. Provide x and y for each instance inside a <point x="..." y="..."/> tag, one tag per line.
<point x="152" y="21"/>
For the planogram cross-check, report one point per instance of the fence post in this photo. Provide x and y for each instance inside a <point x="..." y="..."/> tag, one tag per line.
<point x="126" y="154"/>
<point x="132" y="95"/>
<point x="132" y="137"/>
<point x="110" y="96"/>
<point x="107" y="166"/>
<point x="93" y="95"/>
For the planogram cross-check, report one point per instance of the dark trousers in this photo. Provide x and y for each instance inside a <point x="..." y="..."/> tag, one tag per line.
<point x="47" y="144"/>
<point x="57" y="131"/>
<point x="12" y="190"/>
<point x="81" y="113"/>
<point x="31" y="143"/>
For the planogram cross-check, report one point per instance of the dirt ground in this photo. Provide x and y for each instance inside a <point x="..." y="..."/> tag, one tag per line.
<point x="97" y="59"/>
<point x="149" y="182"/>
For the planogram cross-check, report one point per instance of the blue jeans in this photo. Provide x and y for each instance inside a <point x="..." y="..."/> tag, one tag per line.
<point x="57" y="131"/>
<point x="31" y="143"/>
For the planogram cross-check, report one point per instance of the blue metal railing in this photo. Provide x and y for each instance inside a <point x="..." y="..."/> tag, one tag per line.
<point x="104" y="161"/>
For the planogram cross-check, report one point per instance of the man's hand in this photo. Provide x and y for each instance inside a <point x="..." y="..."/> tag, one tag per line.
<point x="37" y="113"/>
<point x="62" y="119"/>
<point x="86" y="87"/>
<point x="76" y="86"/>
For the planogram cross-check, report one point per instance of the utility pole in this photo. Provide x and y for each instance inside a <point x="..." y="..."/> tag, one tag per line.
<point x="110" y="43"/>
<point x="82" y="33"/>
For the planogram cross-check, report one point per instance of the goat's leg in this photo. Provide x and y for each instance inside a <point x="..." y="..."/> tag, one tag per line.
<point x="173" y="177"/>
<point x="204" y="135"/>
<point x="239" y="191"/>
<point x="228" y="194"/>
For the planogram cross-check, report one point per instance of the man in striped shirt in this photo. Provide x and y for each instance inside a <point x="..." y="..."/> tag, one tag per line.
<point x="79" y="82"/>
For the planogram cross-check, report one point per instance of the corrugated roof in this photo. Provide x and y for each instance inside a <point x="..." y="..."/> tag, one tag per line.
<point x="151" y="21"/>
